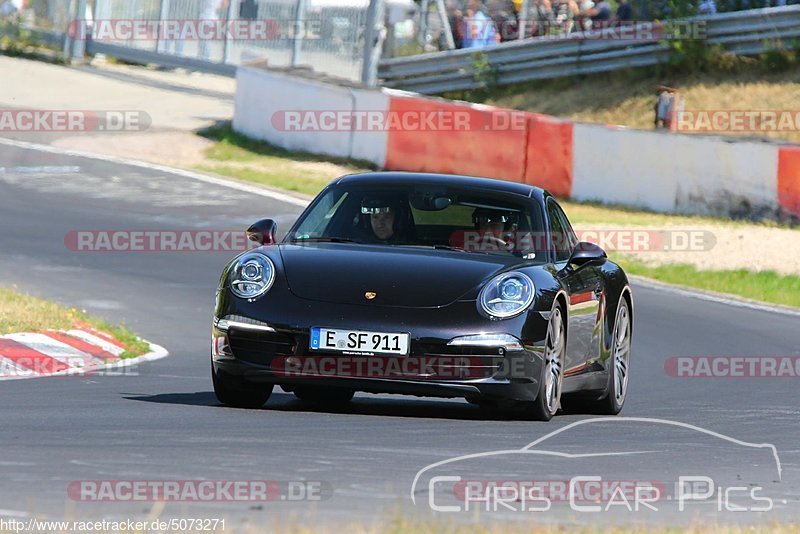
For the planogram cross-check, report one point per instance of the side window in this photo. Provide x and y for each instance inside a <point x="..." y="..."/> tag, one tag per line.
<point x="561" y="235"/>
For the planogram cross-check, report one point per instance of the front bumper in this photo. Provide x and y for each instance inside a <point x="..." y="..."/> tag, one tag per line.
<point x="278" y="353"/>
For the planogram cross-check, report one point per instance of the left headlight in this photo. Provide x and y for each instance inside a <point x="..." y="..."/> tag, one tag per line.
<point x="507" y="295"/>
<point x="251" y="276"/>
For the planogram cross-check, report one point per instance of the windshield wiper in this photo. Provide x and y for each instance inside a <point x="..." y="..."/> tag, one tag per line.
<point x="322" y="239"/>
<point x="436" y="247"/>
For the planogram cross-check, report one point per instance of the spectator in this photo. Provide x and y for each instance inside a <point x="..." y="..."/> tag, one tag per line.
<point x="707" y="7"/>
<point x="541" y="18"/>
<point x="457" y="23"/>
<point x="624" y="11"/>
<point x="502" y="13"/>
<point x="565" y="12"/>
<point x="583" y="21"/>
<point x="665" y="101"/>
<point x="600" y="14"/>
<point x="480" y="28"/>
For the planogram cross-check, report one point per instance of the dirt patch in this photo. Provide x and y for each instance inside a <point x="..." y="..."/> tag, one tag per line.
<point x="707" y="246"/>
<point x="166" y="148"/>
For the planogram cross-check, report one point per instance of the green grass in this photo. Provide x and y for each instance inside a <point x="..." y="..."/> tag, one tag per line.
<point x="764" y="286"/>
<point x="23" y="313"/>
<point x="242" y="158"/>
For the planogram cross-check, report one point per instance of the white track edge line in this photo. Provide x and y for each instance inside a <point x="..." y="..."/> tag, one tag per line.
<point x="161" y="168"/>
<point x="719" y="298"/>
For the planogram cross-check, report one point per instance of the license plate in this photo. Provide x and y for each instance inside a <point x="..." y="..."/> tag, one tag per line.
<point x="358" y="341"/>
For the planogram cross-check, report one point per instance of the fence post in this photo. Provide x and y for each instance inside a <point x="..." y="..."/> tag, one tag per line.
<point x="162" y="17"/>
<point x="80" y="27"/>
<point x="299" y="32"/>
<point x="228" y="17"/>
<point x="524" y="13"/>
<point x="373" y="43"/>
<point x="448" y="31"/>
<point x="422" y="36"/>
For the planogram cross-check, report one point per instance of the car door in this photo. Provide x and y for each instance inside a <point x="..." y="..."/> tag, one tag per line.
<point x="584" y="287"/>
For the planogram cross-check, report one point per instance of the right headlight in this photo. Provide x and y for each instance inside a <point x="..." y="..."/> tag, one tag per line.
<point x="506" y="295"/>
<point x="251" y="276"/>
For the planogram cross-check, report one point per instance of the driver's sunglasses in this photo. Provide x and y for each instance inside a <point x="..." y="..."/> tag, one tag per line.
<point x="375" y="211"/>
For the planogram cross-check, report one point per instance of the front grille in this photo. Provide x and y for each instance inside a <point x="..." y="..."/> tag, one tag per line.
<point x="260" y="347"/>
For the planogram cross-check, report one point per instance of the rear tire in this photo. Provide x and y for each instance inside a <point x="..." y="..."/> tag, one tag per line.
<point x="610" y="401"/>
<point x="617" y="389"/>
<point x="235" y="392"/>
<point x="323" y="394"/>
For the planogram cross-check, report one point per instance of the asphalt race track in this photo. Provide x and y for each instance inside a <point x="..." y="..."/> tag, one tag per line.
<point x="165" y="423"/>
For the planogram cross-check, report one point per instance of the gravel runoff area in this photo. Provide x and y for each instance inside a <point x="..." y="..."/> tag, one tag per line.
<point x="179" y="103"/>
<point x="708" y="246"/>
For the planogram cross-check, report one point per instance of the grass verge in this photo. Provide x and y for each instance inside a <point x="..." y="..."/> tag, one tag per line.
<point x="627" y="98"/>
<point x="764" y="286"/>
<point x="23" y="313"/>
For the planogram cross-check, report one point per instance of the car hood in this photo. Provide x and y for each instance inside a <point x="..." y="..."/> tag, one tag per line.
<point x="399" y="276"/>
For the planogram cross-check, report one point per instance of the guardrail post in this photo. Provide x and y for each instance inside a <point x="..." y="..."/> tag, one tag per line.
<point x="299" y="31"/>
<point x="373" y="43"/>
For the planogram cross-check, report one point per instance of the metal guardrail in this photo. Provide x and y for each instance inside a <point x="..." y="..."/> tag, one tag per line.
<point x="742" y="32"/>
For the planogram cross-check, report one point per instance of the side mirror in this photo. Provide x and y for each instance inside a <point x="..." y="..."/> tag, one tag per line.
<point x="263" y="232"/>
<point x="586" y="253"/>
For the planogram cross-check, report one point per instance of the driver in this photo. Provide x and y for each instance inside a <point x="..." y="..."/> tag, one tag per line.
<point x="384" y="217"/>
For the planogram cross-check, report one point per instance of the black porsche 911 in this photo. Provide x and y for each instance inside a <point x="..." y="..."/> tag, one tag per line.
<point x="427" y="285"/>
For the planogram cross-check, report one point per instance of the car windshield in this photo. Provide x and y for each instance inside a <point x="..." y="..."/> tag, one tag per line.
<point x="454" y="218"/>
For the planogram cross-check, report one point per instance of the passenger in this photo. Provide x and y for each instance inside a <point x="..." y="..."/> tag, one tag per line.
<point x="495" y="227"/>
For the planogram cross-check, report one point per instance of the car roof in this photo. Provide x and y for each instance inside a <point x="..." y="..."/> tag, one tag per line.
<point x="401" y="178"/>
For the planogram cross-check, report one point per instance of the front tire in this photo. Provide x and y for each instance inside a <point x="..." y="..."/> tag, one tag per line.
<point x="235" y="392"/>
<point x="548" y="401"/>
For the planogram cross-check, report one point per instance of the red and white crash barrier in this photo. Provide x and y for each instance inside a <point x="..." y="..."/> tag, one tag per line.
<point x="398" y="130"/>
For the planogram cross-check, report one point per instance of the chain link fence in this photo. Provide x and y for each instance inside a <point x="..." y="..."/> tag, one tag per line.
<point x="327" y="36"/>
